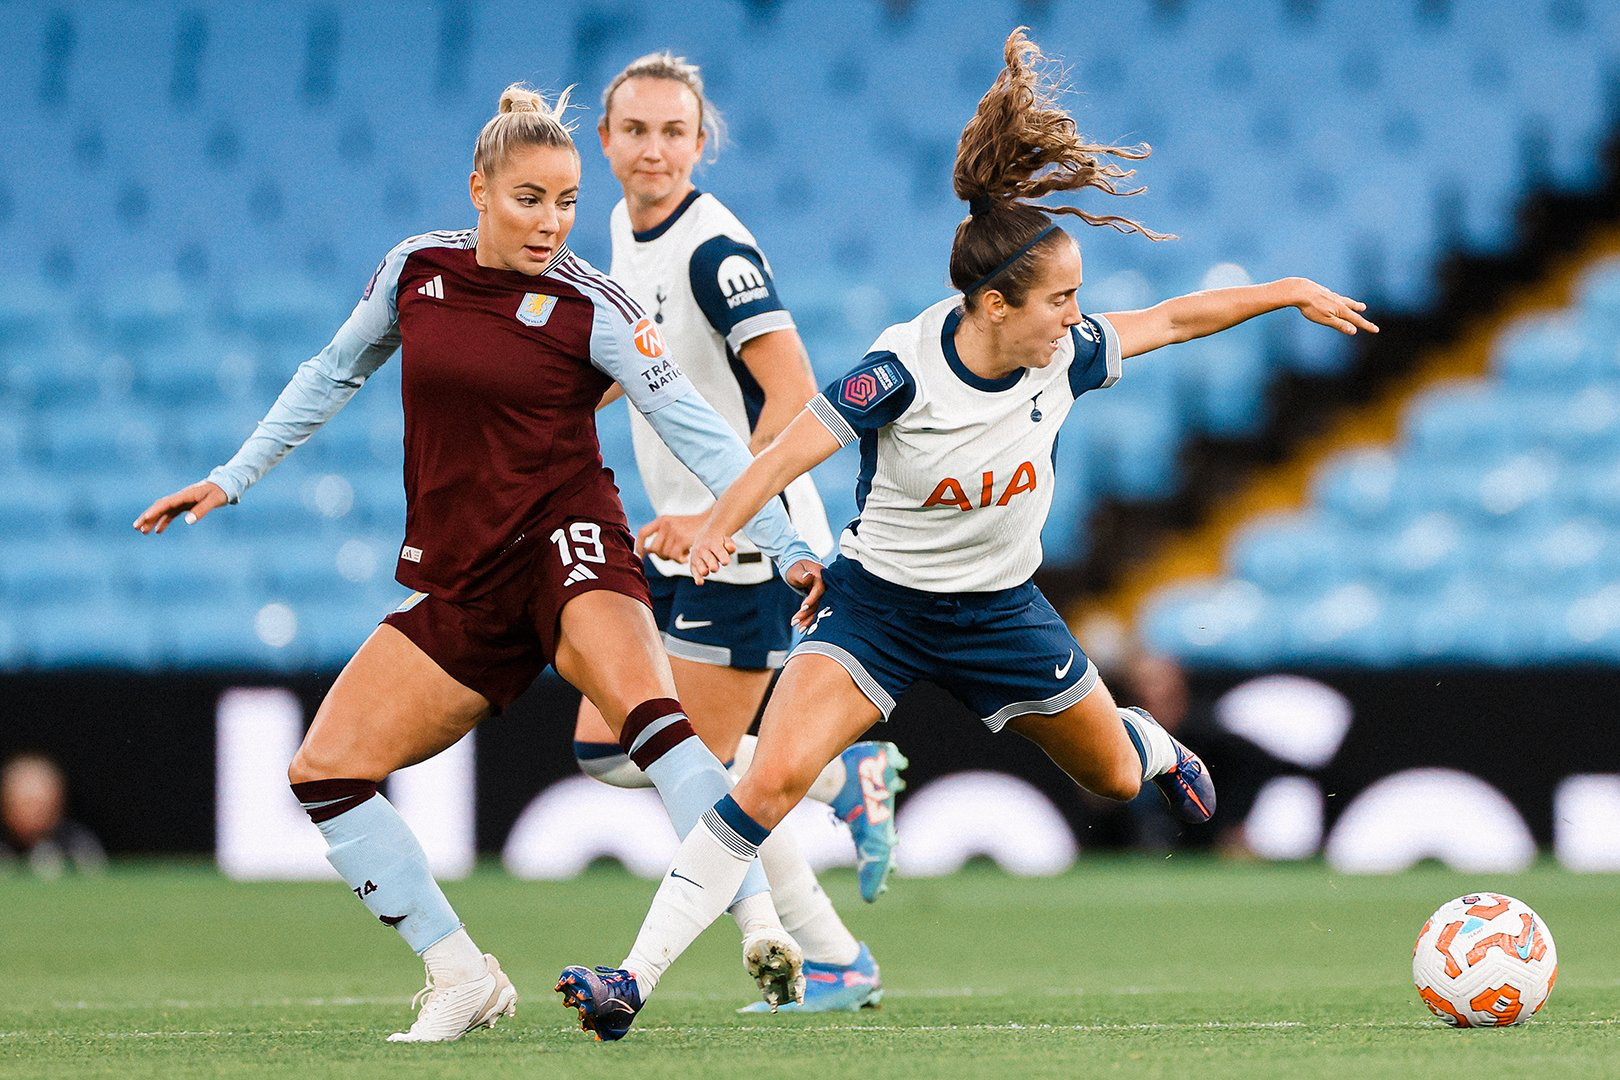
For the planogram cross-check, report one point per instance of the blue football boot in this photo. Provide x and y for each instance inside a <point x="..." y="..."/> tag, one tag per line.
<point x="1187" y="788"/>
<point x="866" y="805"/>
<point x="608" y="999"/>
<point x="835" y="987"/>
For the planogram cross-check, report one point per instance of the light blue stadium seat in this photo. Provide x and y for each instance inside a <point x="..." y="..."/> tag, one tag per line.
<point x="46" y="570"/>
<point x="1595" y="488"/>
<point x="1426" y="549"/>
<point x="208" y="435"/>
<point x="88" y="439"/>
<point x="148" y="313"/>
<point x="1542" y="350"/>
<point x="332" y="631"/>
<point x="1461" y="421"/>
<point x="1561" y="555"/>
<point x="91" y="633"/>
<point x="1063" y="538"/>
<point x="16" y="443"/>
<point x="1356" y="623"/>
<point x="1298" y="553"/>
<point x="48" y="374"/>
<point x="286" y="311"/>
<point x="223" y="637"/>
<point x="1215" y="624"/>
<point x="1600" y="291"/>
<point x="1361" y="485"/>
<point x="1132" y="445"/>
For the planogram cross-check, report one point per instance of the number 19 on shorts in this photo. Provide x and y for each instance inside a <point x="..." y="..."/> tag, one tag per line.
<point x="581" y="542"/>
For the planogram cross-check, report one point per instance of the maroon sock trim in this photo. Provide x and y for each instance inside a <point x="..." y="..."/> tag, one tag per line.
<point x="655" y="747"/>
<point x="324" y="800"/>
<point x="644" y="714"/>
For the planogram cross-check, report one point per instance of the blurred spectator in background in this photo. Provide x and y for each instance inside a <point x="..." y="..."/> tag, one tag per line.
<point x="35" y="833"/>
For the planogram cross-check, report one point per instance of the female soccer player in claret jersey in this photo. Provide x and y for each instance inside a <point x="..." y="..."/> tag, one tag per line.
<point x="514" y="538"/>
<point x="956" y="412"/>
<point x="685" y="257"/>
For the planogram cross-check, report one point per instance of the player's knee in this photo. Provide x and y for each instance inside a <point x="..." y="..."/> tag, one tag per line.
<point x="777" y="784"/>
<point x="314" y="763"/>
<point x="300" y="770"/>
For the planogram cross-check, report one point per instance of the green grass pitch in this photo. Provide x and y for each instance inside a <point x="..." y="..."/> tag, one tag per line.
<point x="1125" y="967"/>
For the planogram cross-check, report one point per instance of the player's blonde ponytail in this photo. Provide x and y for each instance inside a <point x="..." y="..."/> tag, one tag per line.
<point x="523" y="119"/>
<point x="1020" y="146"/>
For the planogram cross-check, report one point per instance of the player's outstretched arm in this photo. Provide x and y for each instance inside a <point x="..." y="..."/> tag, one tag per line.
<point x="1200" y="314"/>
<point x="804" y="444"/>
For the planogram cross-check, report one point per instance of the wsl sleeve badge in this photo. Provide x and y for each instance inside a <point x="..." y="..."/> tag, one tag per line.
<point x="865" y="388"/>
<point x="535" y="309"/>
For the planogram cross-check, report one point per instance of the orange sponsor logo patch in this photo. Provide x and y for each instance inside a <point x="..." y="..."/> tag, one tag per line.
<point x="649" y="342"/>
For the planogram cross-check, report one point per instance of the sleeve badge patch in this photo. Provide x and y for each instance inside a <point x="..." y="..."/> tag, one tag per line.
<point x="649" y="340"/>
<point x="867" y="387"/>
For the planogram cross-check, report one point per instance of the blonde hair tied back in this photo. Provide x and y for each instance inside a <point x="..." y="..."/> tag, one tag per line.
<point x="523" y="119"/>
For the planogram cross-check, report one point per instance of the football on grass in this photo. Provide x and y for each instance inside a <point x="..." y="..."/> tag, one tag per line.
<point x="1484" y="960"/>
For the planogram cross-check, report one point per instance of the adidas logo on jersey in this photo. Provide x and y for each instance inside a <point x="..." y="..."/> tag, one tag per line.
<point x="434" y="288"/>
<point x="578" y="574"/>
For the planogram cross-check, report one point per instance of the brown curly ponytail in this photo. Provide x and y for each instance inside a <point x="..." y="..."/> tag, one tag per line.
<point x="1019" y="146"/>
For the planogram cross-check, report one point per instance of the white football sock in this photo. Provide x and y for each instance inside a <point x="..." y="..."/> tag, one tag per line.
<point x="1156" y="743"/>
<point x="454" y="959"/>
<point x="708" y="869"/>
<point x="805" y="910"/>
<point x="755" y="913"/>
<point x="825" y="789"/>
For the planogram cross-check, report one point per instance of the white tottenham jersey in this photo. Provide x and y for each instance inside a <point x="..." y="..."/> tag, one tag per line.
<point x="956" y="470"/>
<point x="710" y="290"/>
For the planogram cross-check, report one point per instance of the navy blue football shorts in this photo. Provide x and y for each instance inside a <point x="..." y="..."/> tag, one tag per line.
<point x="740" y="626"/>
<point x="1002" y="654"/>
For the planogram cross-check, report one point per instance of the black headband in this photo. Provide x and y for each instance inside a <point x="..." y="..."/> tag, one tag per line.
<point x="980" y="204"/>
<point x="1009" y="260"/>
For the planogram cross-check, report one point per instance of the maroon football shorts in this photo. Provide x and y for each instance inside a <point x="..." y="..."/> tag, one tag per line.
<point x="500" y="642"/>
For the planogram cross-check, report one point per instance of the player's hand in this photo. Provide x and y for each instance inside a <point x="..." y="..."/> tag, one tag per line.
<point x="710" y="551"/>
<point x="806" y="574"/>
<point x="669" y="536"/>
<point x="1322" y="305"/>
<point x="196" y="502"/>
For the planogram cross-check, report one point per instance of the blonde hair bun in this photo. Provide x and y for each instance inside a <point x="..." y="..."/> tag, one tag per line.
<point x="524" y="119"/>
<point x="521" y="98"/>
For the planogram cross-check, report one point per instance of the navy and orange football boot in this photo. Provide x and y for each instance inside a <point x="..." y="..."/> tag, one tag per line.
<point x="608" y="999"/>
<point x="1187" y="788"/>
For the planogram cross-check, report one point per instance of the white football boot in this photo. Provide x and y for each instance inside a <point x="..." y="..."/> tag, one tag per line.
<point x="449" y="1012"/>
<point x="776" y="962"/>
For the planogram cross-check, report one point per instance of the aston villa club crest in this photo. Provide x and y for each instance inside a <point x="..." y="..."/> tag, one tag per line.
<point x="535" y="309"/>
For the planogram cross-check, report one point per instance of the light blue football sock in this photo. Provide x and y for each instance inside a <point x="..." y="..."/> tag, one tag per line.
<point x="690" y="780"/>
<point x="378" y="855"/>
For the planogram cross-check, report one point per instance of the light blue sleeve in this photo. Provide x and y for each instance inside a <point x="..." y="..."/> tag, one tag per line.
<point x="627" y="346"/>
<point x="324" y="383"/>
<point x="705" y="443"/>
